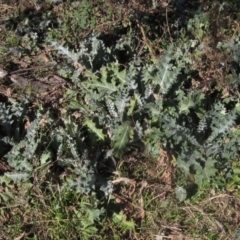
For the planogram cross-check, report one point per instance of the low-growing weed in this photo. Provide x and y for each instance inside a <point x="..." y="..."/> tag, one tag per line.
<point x="141" y="140"/>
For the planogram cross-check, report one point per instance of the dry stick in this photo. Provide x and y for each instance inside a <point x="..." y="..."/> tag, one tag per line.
<point x="31" y="68"/>
<point x="159" y="195"/>
<point x="215" y="197"/>
<point x="172" y="228"/>
<point x="147" y="42"/>
<point x="5" y="6"/>
<point x="168" y="26"/>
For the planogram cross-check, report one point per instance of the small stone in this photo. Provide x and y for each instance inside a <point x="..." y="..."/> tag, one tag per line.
<point x="3" y="73"/>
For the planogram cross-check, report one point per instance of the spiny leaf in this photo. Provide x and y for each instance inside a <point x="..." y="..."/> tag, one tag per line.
<point x="17" y="176"/>
<point x="120" y="75"/>
<point x="94" y="214"/>
<point x="122" y="136"/>
<point x="132" y="106"/>
<point x="46" y="156"/>
<point x="166" y="76"/>
<point x="102" y="83"/>
<point x="209" y="169"/>
<point x="189" y="101"/>
<point x="92" y="126"/>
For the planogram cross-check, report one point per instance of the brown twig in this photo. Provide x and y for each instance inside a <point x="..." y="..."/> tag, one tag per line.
<point x="168" y="26"/>
<point x="31" y="68"/>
